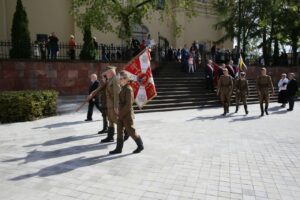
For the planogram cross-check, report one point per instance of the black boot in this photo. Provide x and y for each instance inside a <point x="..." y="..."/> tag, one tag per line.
<point x="140" y="145"/>
<point x="227" y="109"/>
<point x="224" y="114"/>
<point x="262" y="109"/>
<point x="236" y="108"/>
<point x="126" y="135"/>
<point x="110" y="135"/>
<point x="266" y="109"/>
<point x="246" y="109"/>
<point x="104" y="130"/>
<point x="118" y="148"/>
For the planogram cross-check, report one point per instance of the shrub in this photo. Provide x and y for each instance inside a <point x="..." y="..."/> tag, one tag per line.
<point x="88" y="51"/>
<point x="18" y="106"/>
<point x="20" y="36"/>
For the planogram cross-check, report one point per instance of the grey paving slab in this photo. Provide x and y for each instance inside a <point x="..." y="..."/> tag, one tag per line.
<point x="191" y="154"/>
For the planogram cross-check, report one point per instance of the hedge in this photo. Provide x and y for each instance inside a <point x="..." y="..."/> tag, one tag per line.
<point x="18" y="106"/>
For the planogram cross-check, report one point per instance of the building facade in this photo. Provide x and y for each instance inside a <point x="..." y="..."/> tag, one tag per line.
<point x="47" y="16"/>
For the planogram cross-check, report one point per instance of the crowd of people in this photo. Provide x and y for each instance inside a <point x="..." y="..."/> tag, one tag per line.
<point x="227" y="78"/>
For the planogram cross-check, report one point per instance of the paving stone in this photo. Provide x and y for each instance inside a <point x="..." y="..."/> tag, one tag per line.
<point x="191" y="154"/>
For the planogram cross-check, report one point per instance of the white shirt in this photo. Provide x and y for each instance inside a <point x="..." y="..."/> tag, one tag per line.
<point x="282" y="84"/>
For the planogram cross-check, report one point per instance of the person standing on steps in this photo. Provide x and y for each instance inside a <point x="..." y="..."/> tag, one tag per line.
<point x="292" y="88"/>
<point x="242" y="91"/>
<point x="126" y="116"/>
<point x="95" y="100"/>
<point x="112" y="102"/>
<point x="263" y="85"/>
<point x="225" y="86"/>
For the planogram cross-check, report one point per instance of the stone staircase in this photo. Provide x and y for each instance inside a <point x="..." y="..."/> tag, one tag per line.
<point x="175" y="91"/>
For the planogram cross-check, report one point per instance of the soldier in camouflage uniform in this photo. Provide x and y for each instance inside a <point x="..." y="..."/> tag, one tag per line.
<point x="242" y="91"/>
<point x="263" y="85"/>
<point x="126" y="116"/>
<point x="225" y="86"/>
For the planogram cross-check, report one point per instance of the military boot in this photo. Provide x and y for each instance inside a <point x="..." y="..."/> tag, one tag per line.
<point x="104" y="130"/>
<point x="126" y="135"/>
<point x="225" y="110"/>
<point x="236" y="108"/>
<point x="110" y="135"/>
<point x="246" y="109"/>
<point x="262" y="109"/>
<point x="266" y="108"/>
<point x="118" y="148"/>
<point x="140" y="145"/>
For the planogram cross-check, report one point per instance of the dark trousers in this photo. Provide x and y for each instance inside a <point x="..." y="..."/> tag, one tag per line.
<point x="91" y="108"/>
<point x="210" y="84"/>
<point x="72" y="54"/>
<point x="291" y="100"/>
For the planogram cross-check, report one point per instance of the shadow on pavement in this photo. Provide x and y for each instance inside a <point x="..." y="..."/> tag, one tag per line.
<point x="245" y="118"/>
<point x="62" y="124"/>
<point x="202" y="118"/>
<point x="68" y="166"/>
<point x="275" y="108"/>
<point x="35" y="155"/>
<point x="63" y="140"/>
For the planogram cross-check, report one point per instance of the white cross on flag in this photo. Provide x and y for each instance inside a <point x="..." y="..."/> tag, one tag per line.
<point x="142" y="83"/>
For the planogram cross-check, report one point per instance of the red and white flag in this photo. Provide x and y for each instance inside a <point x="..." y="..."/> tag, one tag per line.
<point x="140" y="73"/>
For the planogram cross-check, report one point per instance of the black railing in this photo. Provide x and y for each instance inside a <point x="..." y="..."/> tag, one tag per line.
<point x="40" y="51"/>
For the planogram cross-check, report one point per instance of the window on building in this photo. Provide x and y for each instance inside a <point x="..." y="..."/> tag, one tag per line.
<point x="140" y="32"/>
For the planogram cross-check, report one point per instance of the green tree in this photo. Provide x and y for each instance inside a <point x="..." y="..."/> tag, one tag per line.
<point x="20" y="36"/>
<point x="88" y="51"/>
<point x="121" y="16"/>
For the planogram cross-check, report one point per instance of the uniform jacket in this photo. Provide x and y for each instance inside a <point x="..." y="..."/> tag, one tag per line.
<point x="126" y="100"/>
<point x="241" y="87"/>
<point x="264" y="83"/>
<point x="112" y="93"/>
<point x="225" y="84"/>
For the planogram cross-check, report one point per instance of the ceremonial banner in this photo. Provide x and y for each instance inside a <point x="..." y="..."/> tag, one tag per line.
<point x="141" y="77"/>
<point x="242" y="65"/>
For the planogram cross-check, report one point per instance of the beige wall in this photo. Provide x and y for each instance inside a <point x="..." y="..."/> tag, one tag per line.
<point x="46" y="16"/>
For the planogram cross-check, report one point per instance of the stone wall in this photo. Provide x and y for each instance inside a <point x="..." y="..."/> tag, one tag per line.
<point x="72" y="78"/>
<point x="68" y="78"/>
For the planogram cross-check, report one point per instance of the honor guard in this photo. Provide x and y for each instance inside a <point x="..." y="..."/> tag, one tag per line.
<point x="263" y="85"/>
<point x="242" y="92"/>
<point x="225" y="86"/>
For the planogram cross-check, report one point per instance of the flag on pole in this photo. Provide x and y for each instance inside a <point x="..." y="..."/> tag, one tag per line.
<point x="140" y="74"/>
<point x="242" y="65"/>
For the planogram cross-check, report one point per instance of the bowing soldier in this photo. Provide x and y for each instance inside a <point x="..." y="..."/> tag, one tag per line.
<point x="126" y="116"/>
<point x="225" y="86"/>
<point x="263" y="85"/>
<point x="242" y="91"/>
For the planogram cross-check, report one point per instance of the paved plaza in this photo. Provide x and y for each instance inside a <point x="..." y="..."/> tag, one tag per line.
<point x="190" y="154"/>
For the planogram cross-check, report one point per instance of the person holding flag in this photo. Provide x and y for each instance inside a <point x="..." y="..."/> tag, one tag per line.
<point x="126" y="115"/>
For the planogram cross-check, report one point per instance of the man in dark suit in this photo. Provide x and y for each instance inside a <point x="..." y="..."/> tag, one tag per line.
<point x="94" y="101"/>
<point x="292" y="88"/>
<point x="209" y="75"/>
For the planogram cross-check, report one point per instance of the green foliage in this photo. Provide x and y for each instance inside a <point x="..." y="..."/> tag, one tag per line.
<point x="18" y="106"/>
<point x="20" y="36"/>
<point x="88" y="51"/>
<point x="125" y="16"/>
<point x="270" y="21"/>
